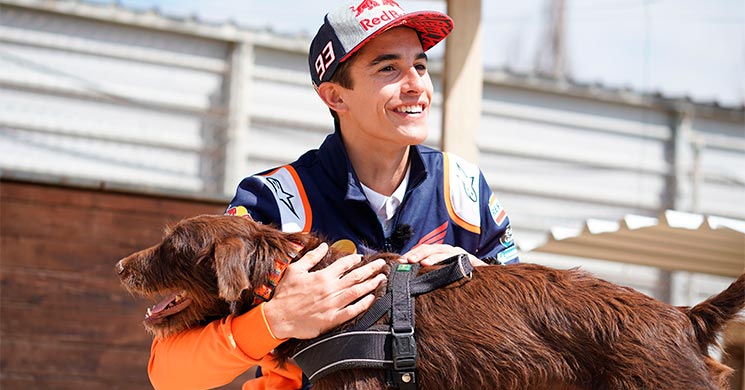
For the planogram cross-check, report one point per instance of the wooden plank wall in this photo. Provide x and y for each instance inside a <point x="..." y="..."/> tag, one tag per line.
<point x="65" y="322"/>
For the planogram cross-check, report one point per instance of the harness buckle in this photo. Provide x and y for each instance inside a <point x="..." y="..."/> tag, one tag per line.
<point x="404" y="350"/>
<point x="463" y="272"/>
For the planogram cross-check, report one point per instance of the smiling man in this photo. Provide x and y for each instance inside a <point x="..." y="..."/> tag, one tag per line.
<point x="369" y="187"/>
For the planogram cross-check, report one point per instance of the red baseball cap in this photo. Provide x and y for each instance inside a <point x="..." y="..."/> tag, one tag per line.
<point x="346" y="29"/>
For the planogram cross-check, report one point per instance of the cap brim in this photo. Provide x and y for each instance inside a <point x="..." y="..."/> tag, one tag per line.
<point x="431" y="26"/>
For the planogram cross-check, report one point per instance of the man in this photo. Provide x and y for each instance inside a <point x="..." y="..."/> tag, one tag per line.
<point x="369" y="187"/>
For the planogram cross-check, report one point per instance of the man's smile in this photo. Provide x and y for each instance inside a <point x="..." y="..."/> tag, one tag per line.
<point x="410" y="109"/>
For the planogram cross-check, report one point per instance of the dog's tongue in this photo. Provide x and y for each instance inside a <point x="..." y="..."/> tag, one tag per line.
<point x="163" y="303"/>
<point x="171" y="304"/>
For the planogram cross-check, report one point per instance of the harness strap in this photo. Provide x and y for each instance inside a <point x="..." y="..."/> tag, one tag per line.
<point x="368" y="349"/>
<point x="392" y="348"/>
<point x="403" y="349"/>
<point x="455" y="268"/>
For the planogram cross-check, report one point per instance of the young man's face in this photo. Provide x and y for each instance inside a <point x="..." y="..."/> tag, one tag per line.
<point x="391" y="94"/>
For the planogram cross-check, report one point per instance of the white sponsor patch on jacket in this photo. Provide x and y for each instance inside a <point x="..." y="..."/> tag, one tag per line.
<point x="290" y="196"/>
<point x="496" y="210"/>
<point x="462" y="192"/>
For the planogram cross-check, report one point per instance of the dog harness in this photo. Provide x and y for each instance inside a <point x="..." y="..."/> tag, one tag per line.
<point x="391" y="347"/>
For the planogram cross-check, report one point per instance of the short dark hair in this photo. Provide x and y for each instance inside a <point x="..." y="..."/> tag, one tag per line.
<point x="343" y="77"/>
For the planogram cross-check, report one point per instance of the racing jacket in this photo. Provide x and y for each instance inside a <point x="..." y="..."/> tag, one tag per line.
<point x="447" y="201"/>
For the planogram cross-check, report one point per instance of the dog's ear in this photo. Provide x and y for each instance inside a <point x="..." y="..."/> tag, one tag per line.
<point x="232" y="266"/>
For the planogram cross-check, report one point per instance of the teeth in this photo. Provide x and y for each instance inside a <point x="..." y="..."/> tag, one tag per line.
<point x="149" y="313"/>
<point x="413" y="109"/>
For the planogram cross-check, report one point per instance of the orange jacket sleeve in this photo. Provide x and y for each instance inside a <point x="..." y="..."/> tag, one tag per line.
<point x="214" y="355"/>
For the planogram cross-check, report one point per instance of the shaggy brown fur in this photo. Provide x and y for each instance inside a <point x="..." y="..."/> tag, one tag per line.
<point x="512" y="327"/>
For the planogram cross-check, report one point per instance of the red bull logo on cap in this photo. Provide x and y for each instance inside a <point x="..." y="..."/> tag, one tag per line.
<point x="373" y="16"/>
<point x="370" y="4"/>
<point x="365" y="5"/>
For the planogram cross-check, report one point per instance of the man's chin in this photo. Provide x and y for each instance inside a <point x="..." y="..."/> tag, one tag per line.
<point x="415" y="135"/>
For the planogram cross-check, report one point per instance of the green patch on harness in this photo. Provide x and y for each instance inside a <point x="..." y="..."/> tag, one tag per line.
<point x="403" y="268"/>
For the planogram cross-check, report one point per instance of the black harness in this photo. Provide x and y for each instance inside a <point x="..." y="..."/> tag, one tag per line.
<point x="390" y="347"/>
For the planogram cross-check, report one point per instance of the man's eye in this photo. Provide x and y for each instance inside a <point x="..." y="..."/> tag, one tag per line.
<point x="388" y="68"/>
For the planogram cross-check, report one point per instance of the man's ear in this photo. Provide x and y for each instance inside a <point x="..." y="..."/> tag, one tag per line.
<point x="233" y="268"/>
<point x="331" y="94"/>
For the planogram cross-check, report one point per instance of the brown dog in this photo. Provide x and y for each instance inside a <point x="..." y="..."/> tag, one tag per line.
<point x="521" y="326"/>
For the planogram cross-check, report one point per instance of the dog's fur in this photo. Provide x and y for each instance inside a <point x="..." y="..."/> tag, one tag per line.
<point x="521" y="326"/>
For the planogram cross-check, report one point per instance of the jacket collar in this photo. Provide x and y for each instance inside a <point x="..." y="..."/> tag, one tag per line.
<point x="334" y="159"/>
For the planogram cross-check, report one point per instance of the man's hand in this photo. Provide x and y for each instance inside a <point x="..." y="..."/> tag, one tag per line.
<point x="430" y="254"/>
<point x="306" y="304"/>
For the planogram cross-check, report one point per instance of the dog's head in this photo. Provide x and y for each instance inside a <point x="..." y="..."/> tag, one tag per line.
<point x="205" y="268"/>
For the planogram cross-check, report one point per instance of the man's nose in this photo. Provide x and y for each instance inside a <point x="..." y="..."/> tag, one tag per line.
<point x="413" y="82"/>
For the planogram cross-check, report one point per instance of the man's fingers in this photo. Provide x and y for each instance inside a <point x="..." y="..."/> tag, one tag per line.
<point x="358" y="298"/>
<point x="431" y="254"/>
<point x="355" y="309"/>
<point x="348" y="296"/>
<point x="343" y="264"/>
<point x="312" y="257"/>
<point x="364" y="272"/>
<point x="423" y="252"/>
<point x="434" y="259"/>
<point x="307" y="303"/>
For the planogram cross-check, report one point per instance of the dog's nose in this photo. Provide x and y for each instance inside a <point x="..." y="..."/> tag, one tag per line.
<point x="119" y="267"/>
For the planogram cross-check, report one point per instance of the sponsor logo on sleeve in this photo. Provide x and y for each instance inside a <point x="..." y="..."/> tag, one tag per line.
<point x="468" y="182"/>
<point x="238" y="211"/>
<point x="461" y="185"/>
<point x="506" y="239"/>
<point x="507" y="255"/>
<point x="282" y="195"/>
<point x="496" y="210"/>
<point x="292" y="202"/>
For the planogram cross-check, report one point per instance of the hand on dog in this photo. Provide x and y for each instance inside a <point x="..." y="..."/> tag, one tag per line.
<point x="307" y="303"/>
<point x="430" y="254"/>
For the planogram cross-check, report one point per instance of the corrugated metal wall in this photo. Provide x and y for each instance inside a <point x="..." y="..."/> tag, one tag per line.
<point x="100" y="92"/>
<point x="96" y="99"/>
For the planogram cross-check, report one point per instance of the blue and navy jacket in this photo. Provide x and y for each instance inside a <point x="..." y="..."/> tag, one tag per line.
<point x="448" y="201"/>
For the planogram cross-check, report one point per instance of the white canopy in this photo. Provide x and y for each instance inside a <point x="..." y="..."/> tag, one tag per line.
<point x="674" y="241"/>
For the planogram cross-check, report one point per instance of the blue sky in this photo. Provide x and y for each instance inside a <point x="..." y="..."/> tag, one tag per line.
<point x="677" y="47"/>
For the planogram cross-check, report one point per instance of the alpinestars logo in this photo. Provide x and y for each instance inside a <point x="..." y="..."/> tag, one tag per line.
<point x="468" y="183"/>
<point x="285" y="197"/>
